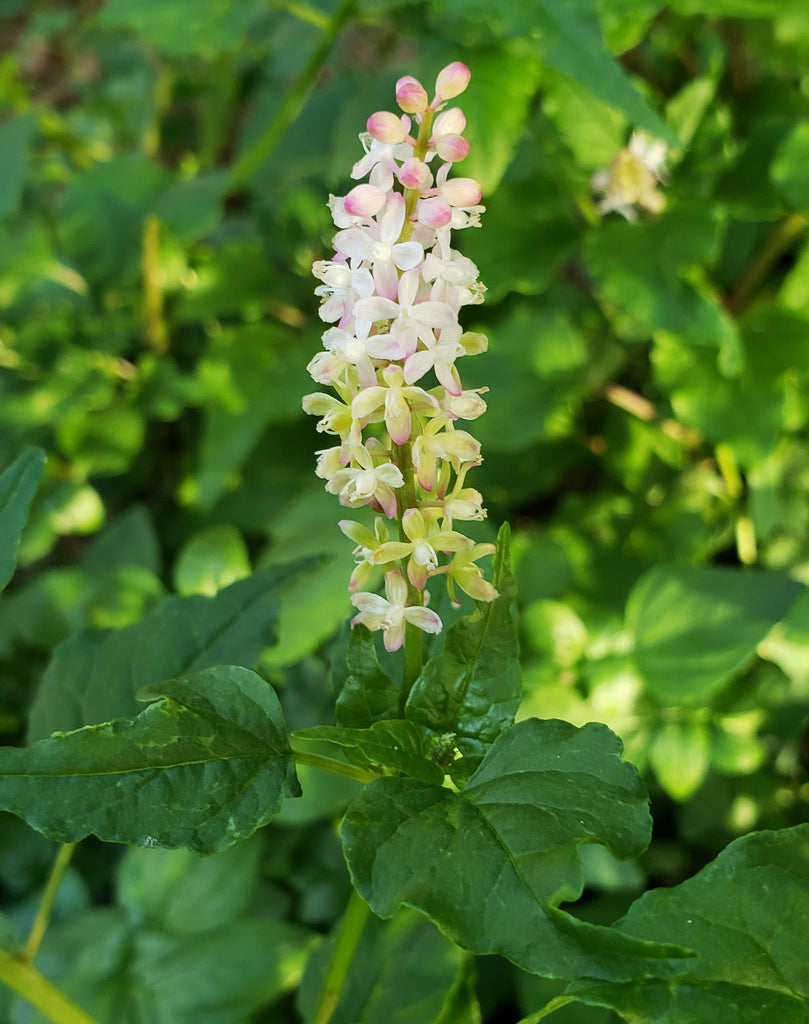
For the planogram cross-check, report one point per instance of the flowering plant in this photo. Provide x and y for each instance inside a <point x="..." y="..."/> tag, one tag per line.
<point x="393" y="292"/>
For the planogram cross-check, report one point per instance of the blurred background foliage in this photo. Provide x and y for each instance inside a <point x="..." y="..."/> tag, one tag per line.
<point x="163" y="183"/>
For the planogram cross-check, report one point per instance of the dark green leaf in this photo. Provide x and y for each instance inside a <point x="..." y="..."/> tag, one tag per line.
<point x="472" y="689"/>
<point x="180" y="892"/>
<point x="695" y="628"/>
<point x="18" y="485"/>
<point x="491" y="864"/>
<point x="404" y="970"/>
<point x="745" y="915"/>
<point x="396" y="745"/>
<point x="93" y="676"/>
<point x="368" y="694"/>
<point x="203" y="766"/>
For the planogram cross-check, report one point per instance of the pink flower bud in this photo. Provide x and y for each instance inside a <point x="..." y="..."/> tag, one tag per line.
<point x="411" y="96"/>
<point x="415" y="174"/>
<point x="461" y="192"/>
<point x="452" y="81"/>
<point x="387" y="127"/>
<point x="366" y="200"/>
<point x="452" y="147"/>
<point x="434" y="212"/>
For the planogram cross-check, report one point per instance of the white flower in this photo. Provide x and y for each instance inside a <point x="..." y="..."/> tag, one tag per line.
<point x="391" y="614"/>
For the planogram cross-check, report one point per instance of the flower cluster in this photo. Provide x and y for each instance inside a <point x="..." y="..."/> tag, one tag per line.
<point x="392" y="294"/>
<point x="630" y="182"/>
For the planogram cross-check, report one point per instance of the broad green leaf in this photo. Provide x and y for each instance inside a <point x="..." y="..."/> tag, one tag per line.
<point x="203" y="766"/>
<point x="368" y="694"/>
<point x="658" y="285"/>
<point x="125" y="975"/>
<point x="120" y="193"/>
<point x="681" y="755"/>
<point x="745" y="915"/>
<point x="789" y="170"/>
<point x="565" y="36"/>
<point x="748" y="411"/>
<point x="183" y="28"/>
<point x="18" y="485"/>
<point x="15" y="136"/>
<point x="491" y="864"/>
<point x="256" y="378"/>
<point x="180" y="892"/>
<point x="396" y="745"/>
<point x="472" y="689"/>
<point x="404" y="970"/>
<point x="694" y="628"/>
<point x="493" y="128"/>
<point x="94" y="676"/>
<point x="191" y="209"/>
<point x="211" y="560"/>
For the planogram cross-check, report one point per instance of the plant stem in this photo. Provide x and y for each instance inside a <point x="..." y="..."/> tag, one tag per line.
<point x="292" y="104"/>
<point x="778" y="241"/>
<point x="554" y="1004"/>
<point x="330" y="764"/>
<point x="348" y="936"/>
<point x="25" y="979"/>
<point x="45" y="908"/>
<point x="154" y="319"/>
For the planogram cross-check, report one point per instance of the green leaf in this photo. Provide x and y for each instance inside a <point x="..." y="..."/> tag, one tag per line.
<point x="404" y="970"/>
<point x="211" y="560"/>
<point x="564" y="36"/>
<point x="696" y="627"/>
<point x="494" y="128"/>
<point x="681" y="755"/>
<point x="472" y="689"/>
<point x="127" y="975"/>
<point x="94" y="676"/>
<point x="790" y="167"/>
<point x="18" y="485"/>
<point x="745" y="915"/>
<point x="15" y="136"/>
<point x="183" y="28"/>
<point x="180" y="892"/>
<point x="368" y="694"/>
<point x="490" y="864"/>
<point x="203" y="766"/>
<point x="396" y="745"/>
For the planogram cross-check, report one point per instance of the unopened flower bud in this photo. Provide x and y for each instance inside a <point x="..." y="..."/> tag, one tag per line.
<point x="461" y="192"/>
<point x="451" y="81"/>
<point x="435" y="212"/>
<point x="452" y="147"/>
<point x="415" y="174"/>
<point x="386" y="127"/>
<point x="411" y="95"/>
<point x="366" y="200"/>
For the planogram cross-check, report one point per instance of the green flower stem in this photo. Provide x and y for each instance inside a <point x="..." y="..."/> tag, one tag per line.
<point x="411" y="195"/>
<point x="329" y="764"/>
<point x="45" y="909"/>
<point x="292" y="104"/>
<point x="401" y="456"/>
<point x="348" y="936"/>
<point x="24" y="979"/>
